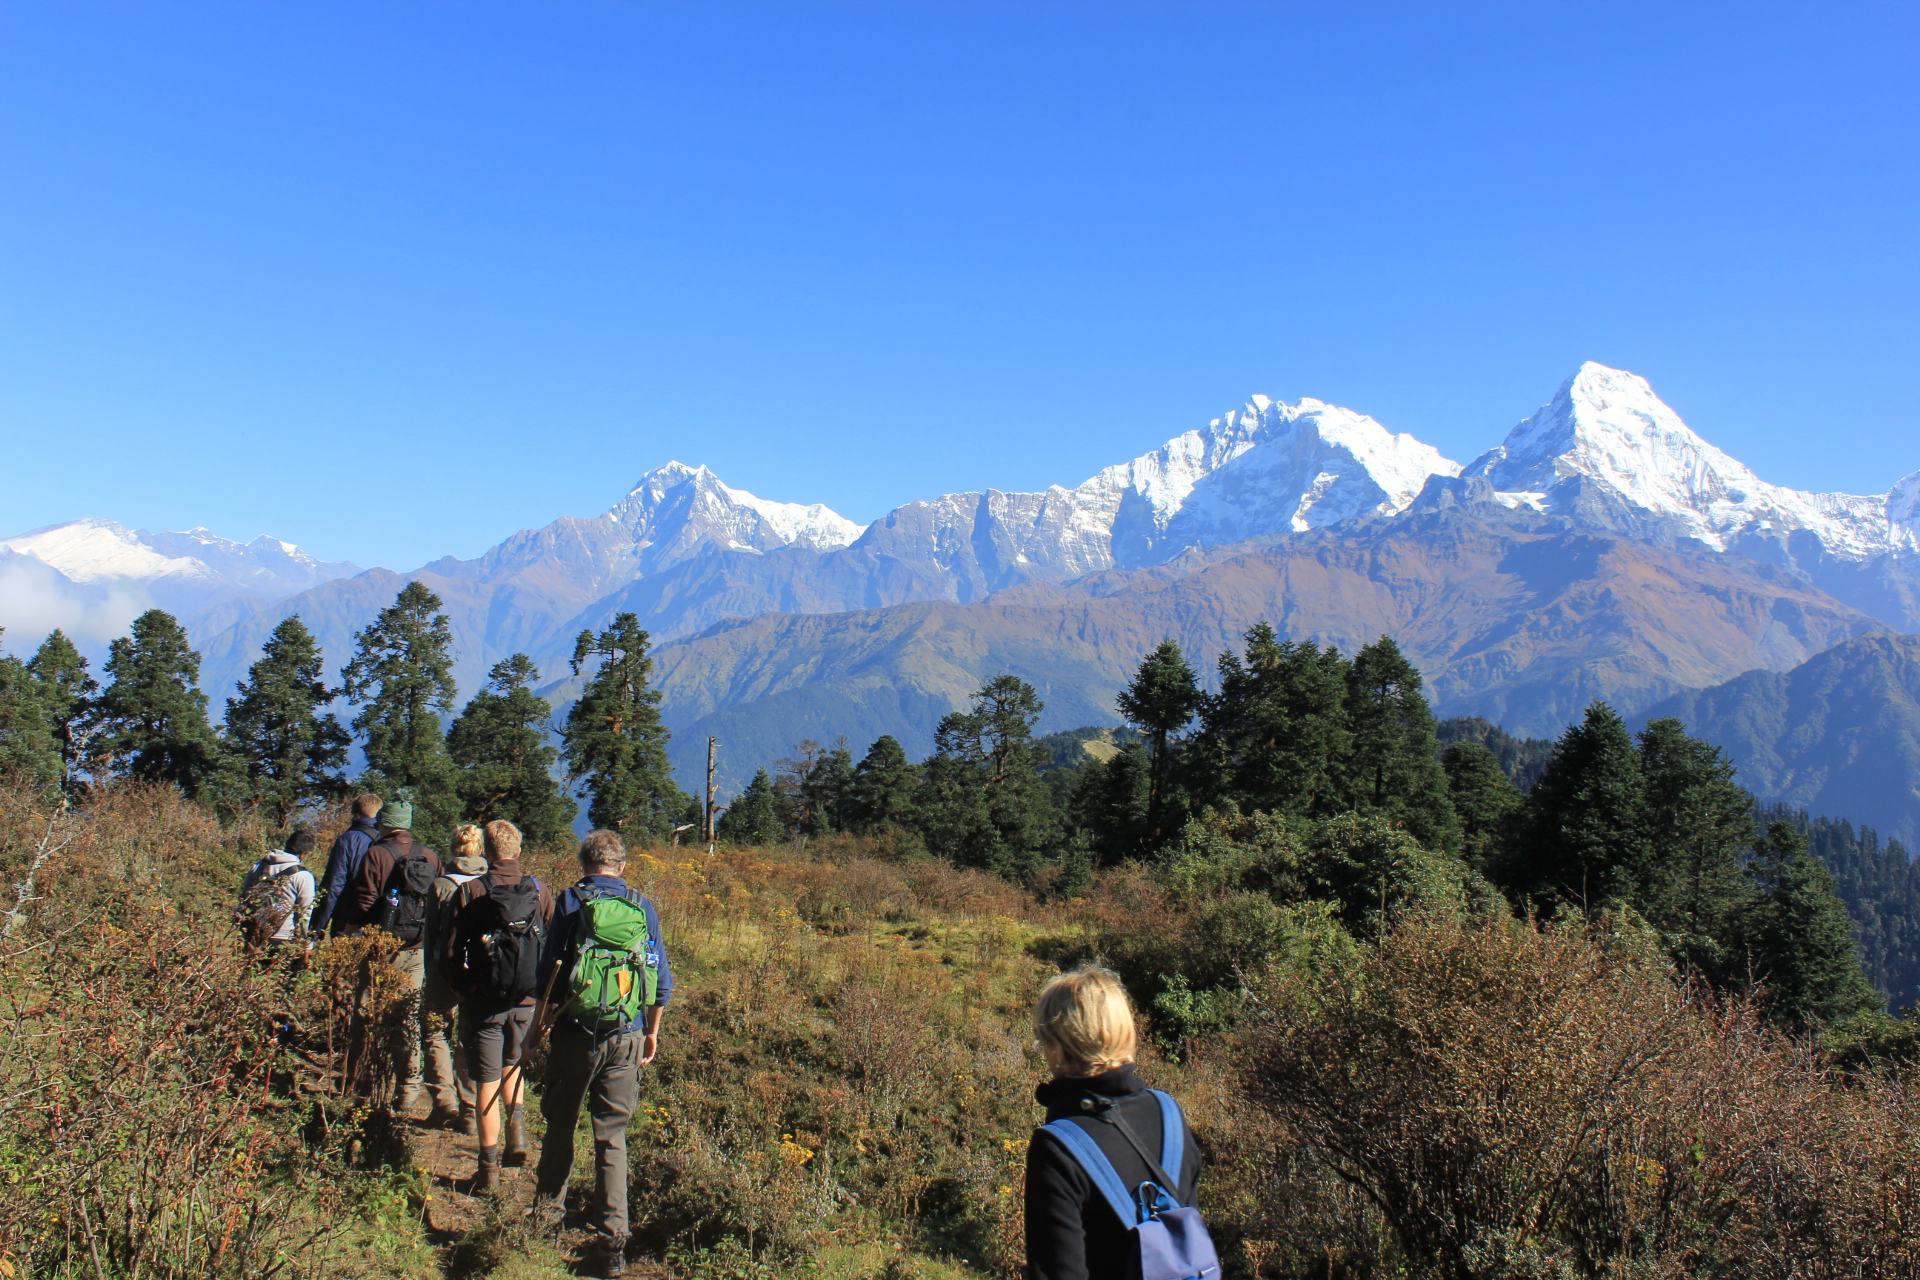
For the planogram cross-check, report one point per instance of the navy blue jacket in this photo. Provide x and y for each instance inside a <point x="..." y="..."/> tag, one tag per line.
<point x="560" y="954"/>
<point x="343" y="864"/>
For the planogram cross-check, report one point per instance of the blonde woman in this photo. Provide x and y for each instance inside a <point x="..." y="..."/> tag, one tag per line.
<point x="447" y="1077"/>
<point x="1109" y="1172"/>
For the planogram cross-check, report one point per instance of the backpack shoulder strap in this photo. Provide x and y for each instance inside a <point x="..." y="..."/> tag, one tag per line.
<point x="1173" y="1137"/>
<point x="1081" y="1146"/>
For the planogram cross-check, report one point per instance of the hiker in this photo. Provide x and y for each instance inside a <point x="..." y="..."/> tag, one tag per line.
<point x="499" y="933"/>
<point x="444" y="1059"/>
<point x="396" y="879"/>
<point x="607" y="978"/>
<point x="343" y="868"/>
<point x="276" y="897"/>
<point x="1102" y="1121"/>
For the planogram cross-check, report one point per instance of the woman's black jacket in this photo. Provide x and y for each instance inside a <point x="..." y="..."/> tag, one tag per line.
<point x="1072" y="1233"/>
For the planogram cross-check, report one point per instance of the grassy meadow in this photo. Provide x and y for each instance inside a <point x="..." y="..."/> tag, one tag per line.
<point x="845" y="1081"/>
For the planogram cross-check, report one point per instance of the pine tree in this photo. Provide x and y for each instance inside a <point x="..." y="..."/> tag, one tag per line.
<point x="615" y="745"/>
<point x="66" y="692"/>
<point x="1584" y="836"/>
<point x="152" y="715"/>
<point x="882" y="790"/>
<point x="1160" y="702"/>
<point x="403" y="676"/>
<point x="1701" y="825"/>
<point x="1798" y="938"/>
<point x="982" y="802"/>
<point x="754" y="817"/>
<point x="1276" y="737"/>
<point x="1484" y="799"/>
<point x="812" y="787"/>
<point x="501" y="746"/>
<point x="1112" y="805"/>
<point x="289" y="752"/>
<point x="1391" y="769"/>
<point x="28" y="750"/>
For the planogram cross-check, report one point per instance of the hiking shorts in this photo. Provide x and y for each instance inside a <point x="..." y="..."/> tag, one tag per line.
<point x="493" y="1041"/>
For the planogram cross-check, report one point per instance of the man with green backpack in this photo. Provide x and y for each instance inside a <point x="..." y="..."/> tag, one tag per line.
<point x="606" y="975"/>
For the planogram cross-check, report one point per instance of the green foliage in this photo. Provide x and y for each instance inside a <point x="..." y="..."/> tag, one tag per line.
<point x="402" y="675"/>
<point x="1881" y="887"/>
<point x="1521" y="759"/>
<point x="882" y="790"/>
<point x="1700" y="825"/>
<point x="1484" y="799"/>
<point x="1799" y="940"/>
<point x="1160" y="702"/>
<point x="152" y="716"/>
<point x="615" y="743"/>
<point x="28" y="748"/>
<point x="1276" y="736"/>
<point x="1585" y="838"/>
<point x="813" y="786"/>
<point x="981" y="801"/>
<point x="1113" y="802"/>
<point x="502" y="748"/>
<point x="289" y="752"/>
<point x="754" y="816"/>
<point x="1392" y="770"/>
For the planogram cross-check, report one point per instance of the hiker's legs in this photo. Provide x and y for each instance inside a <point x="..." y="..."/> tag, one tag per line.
<point x="494" y="1043"/>
<point x="411" y="963"/>
<point x="569" y="1075"/>
<point x="616" y="1090"/>
<point x="443" y="1060"/>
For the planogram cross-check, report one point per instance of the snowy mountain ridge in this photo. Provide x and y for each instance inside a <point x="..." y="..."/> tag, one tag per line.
<point x="1606" y="440"/>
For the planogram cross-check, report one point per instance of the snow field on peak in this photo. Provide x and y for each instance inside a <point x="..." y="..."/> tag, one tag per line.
<point x="90" y="550"/>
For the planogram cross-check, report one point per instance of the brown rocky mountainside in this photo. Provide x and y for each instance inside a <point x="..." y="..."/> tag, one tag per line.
<point x="1514" y="616"/>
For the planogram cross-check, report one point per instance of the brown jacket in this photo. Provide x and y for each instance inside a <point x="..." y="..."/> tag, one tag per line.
<point x="372" y="884"/>
<point x="504" y="872"/>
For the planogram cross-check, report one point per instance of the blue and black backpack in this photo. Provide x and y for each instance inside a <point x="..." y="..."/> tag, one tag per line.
<point x="1173" y="1241"/>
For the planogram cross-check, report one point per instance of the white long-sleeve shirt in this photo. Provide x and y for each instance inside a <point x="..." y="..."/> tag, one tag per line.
<point x="300" y="881"/>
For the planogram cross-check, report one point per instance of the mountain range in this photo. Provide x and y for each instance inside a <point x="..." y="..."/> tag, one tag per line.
<point x="1601" y="549"/>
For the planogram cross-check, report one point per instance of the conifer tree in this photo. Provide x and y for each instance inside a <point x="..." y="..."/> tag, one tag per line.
<point x="1584" y="836"/>
<point x="502" y="748"/>
<point x="1484" y="799"/>
<point x="812" y="787"/>
<point x="1801" y="945"/>
<point x="152" y="715"/>
<point x="1113" y="802"/>
<point x="288" y="752"/>
<point x="1276" y="736"/>
<point x="66" y="691"/>
<point x="754" y="817"/>
<point x="1391" y="769"/>
<point x="982" y="802"/>
<point x="28" y="749"/>
<point x="882" y="790"/>
<point x="615" y="746"/>
<point x="402" y="675"/>
<point x="1160" y="702"/>
<point x="1701" y="825"/>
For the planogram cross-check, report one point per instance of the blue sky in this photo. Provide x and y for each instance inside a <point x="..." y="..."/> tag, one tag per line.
<point x="394" y="279"/>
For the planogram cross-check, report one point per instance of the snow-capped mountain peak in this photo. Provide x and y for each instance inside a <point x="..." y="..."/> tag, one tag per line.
<point x="90" y="550"/>
<point x="1610" y="451"/>
<point x="675" y="501"/>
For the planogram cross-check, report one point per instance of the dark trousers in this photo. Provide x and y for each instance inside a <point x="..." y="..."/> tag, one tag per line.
<point x="605" y="1074"/>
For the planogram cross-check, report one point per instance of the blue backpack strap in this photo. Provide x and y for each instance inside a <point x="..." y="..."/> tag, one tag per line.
<point x="1173" y="1139"/>
<point x="1081" y="1146"/>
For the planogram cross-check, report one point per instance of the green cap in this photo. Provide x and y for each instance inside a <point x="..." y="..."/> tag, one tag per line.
<point x="397" y="812"/>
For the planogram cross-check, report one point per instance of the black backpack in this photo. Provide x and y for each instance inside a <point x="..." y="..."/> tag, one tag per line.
<point x="404" y="912"/>
<point x="500" y="940"/>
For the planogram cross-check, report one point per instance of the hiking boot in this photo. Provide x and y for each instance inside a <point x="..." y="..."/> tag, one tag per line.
<point x="609" y="1259"/>
<point x="486" y="1182"/>
<point x="548" y="1214"/>
<point x="516" y="1143"/>
<point x="469" y="1126"/>
<point x="408" y="1101"/>
<point x="442" y="1117"/>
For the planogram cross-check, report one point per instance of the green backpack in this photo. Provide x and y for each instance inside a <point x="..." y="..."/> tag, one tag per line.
<point x="616" y="973"/>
